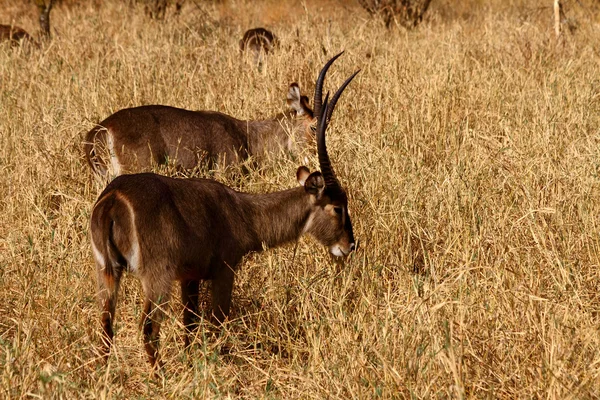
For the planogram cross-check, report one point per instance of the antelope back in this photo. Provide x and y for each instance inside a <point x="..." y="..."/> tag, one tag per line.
<point x="259" y="39"/>
<point x="133" y="139"/>
<point x="14" y="34"/>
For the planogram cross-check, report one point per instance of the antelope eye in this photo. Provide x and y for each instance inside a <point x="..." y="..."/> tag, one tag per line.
<point x="313" y="128"/>
<point x="338" y="210"/>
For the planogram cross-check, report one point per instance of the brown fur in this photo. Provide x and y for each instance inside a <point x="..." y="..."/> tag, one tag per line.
<point x="165" y="229"/>
<point x="15" y="35"/>
<point x="259" y="39"/>
<point x="156" y="134"/>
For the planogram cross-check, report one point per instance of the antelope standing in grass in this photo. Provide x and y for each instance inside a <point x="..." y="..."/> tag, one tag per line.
<point x="259" y="41"/>
<point x="163" y="229"/>
<point x="132" y="139"/>
<point x="15" y="35"/>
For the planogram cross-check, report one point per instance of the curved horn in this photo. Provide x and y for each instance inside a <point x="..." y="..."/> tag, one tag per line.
<point x="325" y="164"/>
<point x="331" y="181"/>
<point x="337" y="95"/>
<point x="319" y="87"/>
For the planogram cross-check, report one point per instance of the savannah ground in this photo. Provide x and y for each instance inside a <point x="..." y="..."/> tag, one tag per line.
<point x="470" y="149"/>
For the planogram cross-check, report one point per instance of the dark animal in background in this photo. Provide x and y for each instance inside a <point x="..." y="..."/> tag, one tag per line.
<point x="132" y="139"/>
<point x="163" y="229"/>
<point x="259" y="41"/>
<point x="14" y="34"/>
<point x="157" y="9"/>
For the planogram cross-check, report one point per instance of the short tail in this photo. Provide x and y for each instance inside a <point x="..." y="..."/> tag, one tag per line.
<point x="107" y="254"/>
<point x="97" y="136"/>
<point x="109" y="263"/>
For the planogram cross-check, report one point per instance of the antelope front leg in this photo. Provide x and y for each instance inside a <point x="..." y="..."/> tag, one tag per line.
<point x="189" y="298"/>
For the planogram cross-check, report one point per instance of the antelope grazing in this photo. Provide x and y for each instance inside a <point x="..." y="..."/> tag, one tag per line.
<point x="132" y="139"/>
<point x="258" y="41"/>
<point x="164" y="229"/>
<point x="14" y="34"/>
<point x="157" y="9"/>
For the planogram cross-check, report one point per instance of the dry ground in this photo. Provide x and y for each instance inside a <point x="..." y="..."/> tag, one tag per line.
<point x="470" y="149"/>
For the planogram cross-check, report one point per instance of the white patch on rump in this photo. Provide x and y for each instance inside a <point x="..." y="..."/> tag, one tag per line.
<point x="100" y="261"/>
<point x="134" y="255"/>
<point x="114" y="160"/>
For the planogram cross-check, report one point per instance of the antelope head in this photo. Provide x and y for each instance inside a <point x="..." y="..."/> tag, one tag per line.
<point x="304" y="121"/>
<point x="330" y="224"/>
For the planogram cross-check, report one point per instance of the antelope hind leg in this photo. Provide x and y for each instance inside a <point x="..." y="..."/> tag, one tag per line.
<point x="189" y="298"/>
<point x="222" y="285"/>
<point x="151" y="319"/>
<point x="108" y="287"/>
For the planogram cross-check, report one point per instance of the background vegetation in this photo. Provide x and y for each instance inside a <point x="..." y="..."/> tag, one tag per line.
<point x="470" y="148"/>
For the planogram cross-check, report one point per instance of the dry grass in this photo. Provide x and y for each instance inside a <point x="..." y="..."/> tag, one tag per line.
<point x="471" y="152"/>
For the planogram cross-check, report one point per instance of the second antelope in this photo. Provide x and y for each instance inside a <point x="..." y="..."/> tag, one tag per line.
<point x="259" y="41"/>
<point x="14" y="35"/>
<point x="133" y="139"/>
<point x="163" y="229"/>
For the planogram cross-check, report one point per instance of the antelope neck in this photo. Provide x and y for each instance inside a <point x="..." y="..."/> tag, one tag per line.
<point x="277" y="218"/>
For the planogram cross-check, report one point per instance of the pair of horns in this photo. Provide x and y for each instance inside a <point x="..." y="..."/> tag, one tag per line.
<point x="323" y="111"/>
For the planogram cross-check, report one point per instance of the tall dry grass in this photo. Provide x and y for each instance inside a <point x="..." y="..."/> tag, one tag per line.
<point x="470" y="149"/>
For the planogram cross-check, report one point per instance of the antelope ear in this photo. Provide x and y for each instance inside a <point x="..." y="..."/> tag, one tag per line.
<point x="315" y="185"/>
<point x="294" y="99"/>
<point x="306" y="106"/>
<point x="296" y="102"/>
<point x="302" y="174"/>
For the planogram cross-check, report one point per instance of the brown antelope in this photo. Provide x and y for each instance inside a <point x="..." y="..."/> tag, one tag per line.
<point x="132" y="139"/>
<point x="157" y="9"/>
<point x="258" y="41"/>
<point x="15" y="35"/>
<point x="163" y="229"/>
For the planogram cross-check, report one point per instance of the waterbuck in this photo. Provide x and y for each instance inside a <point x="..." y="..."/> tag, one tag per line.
<point x="164" y="229"/>
<point x="14" y="35"/>
<point x="258" y="41"/>
<point x="133" y="139"/>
